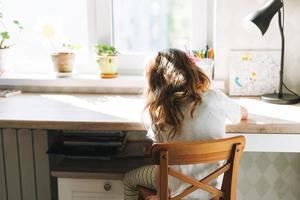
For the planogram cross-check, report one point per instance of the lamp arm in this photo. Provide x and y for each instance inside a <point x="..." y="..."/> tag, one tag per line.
<point x="282" y="53"/>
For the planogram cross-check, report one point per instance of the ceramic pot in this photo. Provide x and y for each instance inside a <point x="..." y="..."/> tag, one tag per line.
<point x="63" y="62"/>
<point x="108" y="66"/>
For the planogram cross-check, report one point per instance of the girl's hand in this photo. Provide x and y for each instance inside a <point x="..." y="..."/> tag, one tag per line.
<point x="153" y="197"/>
<point x="244" y="113"/>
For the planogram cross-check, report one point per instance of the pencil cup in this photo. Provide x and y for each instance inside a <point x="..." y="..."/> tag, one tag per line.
<point x="207" y="66"/>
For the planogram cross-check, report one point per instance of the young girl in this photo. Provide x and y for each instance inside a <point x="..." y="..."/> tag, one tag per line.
<point x="181" y="108"/>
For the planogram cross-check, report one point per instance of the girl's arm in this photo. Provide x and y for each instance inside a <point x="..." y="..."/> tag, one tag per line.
<point x="244" y="113"/>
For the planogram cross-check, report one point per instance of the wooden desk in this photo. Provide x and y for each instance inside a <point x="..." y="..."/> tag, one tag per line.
<point x="123" y="112"/>
<point x="278" y="126"/>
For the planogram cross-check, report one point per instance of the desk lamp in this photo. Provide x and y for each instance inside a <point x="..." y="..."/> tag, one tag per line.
<point x="262" y="19"/>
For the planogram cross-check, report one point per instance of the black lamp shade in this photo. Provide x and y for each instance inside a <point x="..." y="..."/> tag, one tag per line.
<point x="262" y="17"/>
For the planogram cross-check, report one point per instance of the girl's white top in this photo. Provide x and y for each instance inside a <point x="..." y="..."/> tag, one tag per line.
<point x="208" y="123"/>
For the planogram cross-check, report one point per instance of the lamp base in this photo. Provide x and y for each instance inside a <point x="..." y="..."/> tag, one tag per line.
<point x="285" y="99"/>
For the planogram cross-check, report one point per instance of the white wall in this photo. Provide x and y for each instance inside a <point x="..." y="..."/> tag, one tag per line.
<point x="230" y="34"/>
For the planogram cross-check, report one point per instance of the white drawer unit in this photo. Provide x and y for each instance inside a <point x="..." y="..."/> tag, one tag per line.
<point x="90" y="189"/>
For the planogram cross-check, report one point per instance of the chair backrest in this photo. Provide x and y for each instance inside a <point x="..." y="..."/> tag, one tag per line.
<point x="212" y="151"/>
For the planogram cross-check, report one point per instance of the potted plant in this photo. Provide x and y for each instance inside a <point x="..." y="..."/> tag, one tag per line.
<point x="63" y="60"/>
<point x="5" y="39"/>
<point x="62" y="54"/>
<point x="107" y="60"/>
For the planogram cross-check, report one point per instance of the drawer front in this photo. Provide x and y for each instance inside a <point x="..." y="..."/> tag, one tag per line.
<point x="90" y="189"/>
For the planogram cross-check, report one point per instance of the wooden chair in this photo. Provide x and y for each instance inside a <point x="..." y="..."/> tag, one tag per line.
<point x="165" y="154"/>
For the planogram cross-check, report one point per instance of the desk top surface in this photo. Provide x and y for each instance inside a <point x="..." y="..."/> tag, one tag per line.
<point x="125" y="112"/>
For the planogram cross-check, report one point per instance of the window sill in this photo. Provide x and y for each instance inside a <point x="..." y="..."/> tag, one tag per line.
<point x="49" y="83"/>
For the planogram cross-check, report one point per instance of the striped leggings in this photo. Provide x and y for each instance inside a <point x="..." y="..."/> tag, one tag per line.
<point x="143" y="176"/>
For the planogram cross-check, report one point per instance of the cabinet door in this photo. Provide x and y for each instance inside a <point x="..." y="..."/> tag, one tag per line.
<point x="12" y="165"/>
<point x="24" y="165"/>
<point x="90" y="189"/>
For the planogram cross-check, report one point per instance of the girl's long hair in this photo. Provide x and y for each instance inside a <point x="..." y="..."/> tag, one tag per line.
<point x="174" y="80"/>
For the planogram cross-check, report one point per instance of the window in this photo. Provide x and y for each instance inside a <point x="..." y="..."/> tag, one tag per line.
<point x="133" y="26"/>
<point x="151" y="25"/>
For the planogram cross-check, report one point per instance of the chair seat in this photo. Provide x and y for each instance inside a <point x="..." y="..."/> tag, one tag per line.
<point x="145" y="192"/>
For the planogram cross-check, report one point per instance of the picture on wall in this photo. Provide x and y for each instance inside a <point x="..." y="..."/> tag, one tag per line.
<point x="254" y="72"/>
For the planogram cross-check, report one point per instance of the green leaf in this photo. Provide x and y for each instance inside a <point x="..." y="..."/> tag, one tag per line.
<point x="71" y="46"/>
<point x="104" y="49"/>
<point x="16" y="22"/>
<point x="4" y="35"/>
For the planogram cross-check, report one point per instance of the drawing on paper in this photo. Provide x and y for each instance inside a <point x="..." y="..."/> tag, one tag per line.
<point x="254" y="72"/>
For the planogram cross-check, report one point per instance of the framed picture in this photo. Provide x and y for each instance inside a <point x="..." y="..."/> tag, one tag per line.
<point x="254" y="72"/>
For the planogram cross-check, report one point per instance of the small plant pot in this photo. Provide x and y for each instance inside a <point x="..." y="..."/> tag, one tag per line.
<point x="108" y="66"/>
<point x="63" y="62"/>
<point x="3" y="59"/>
